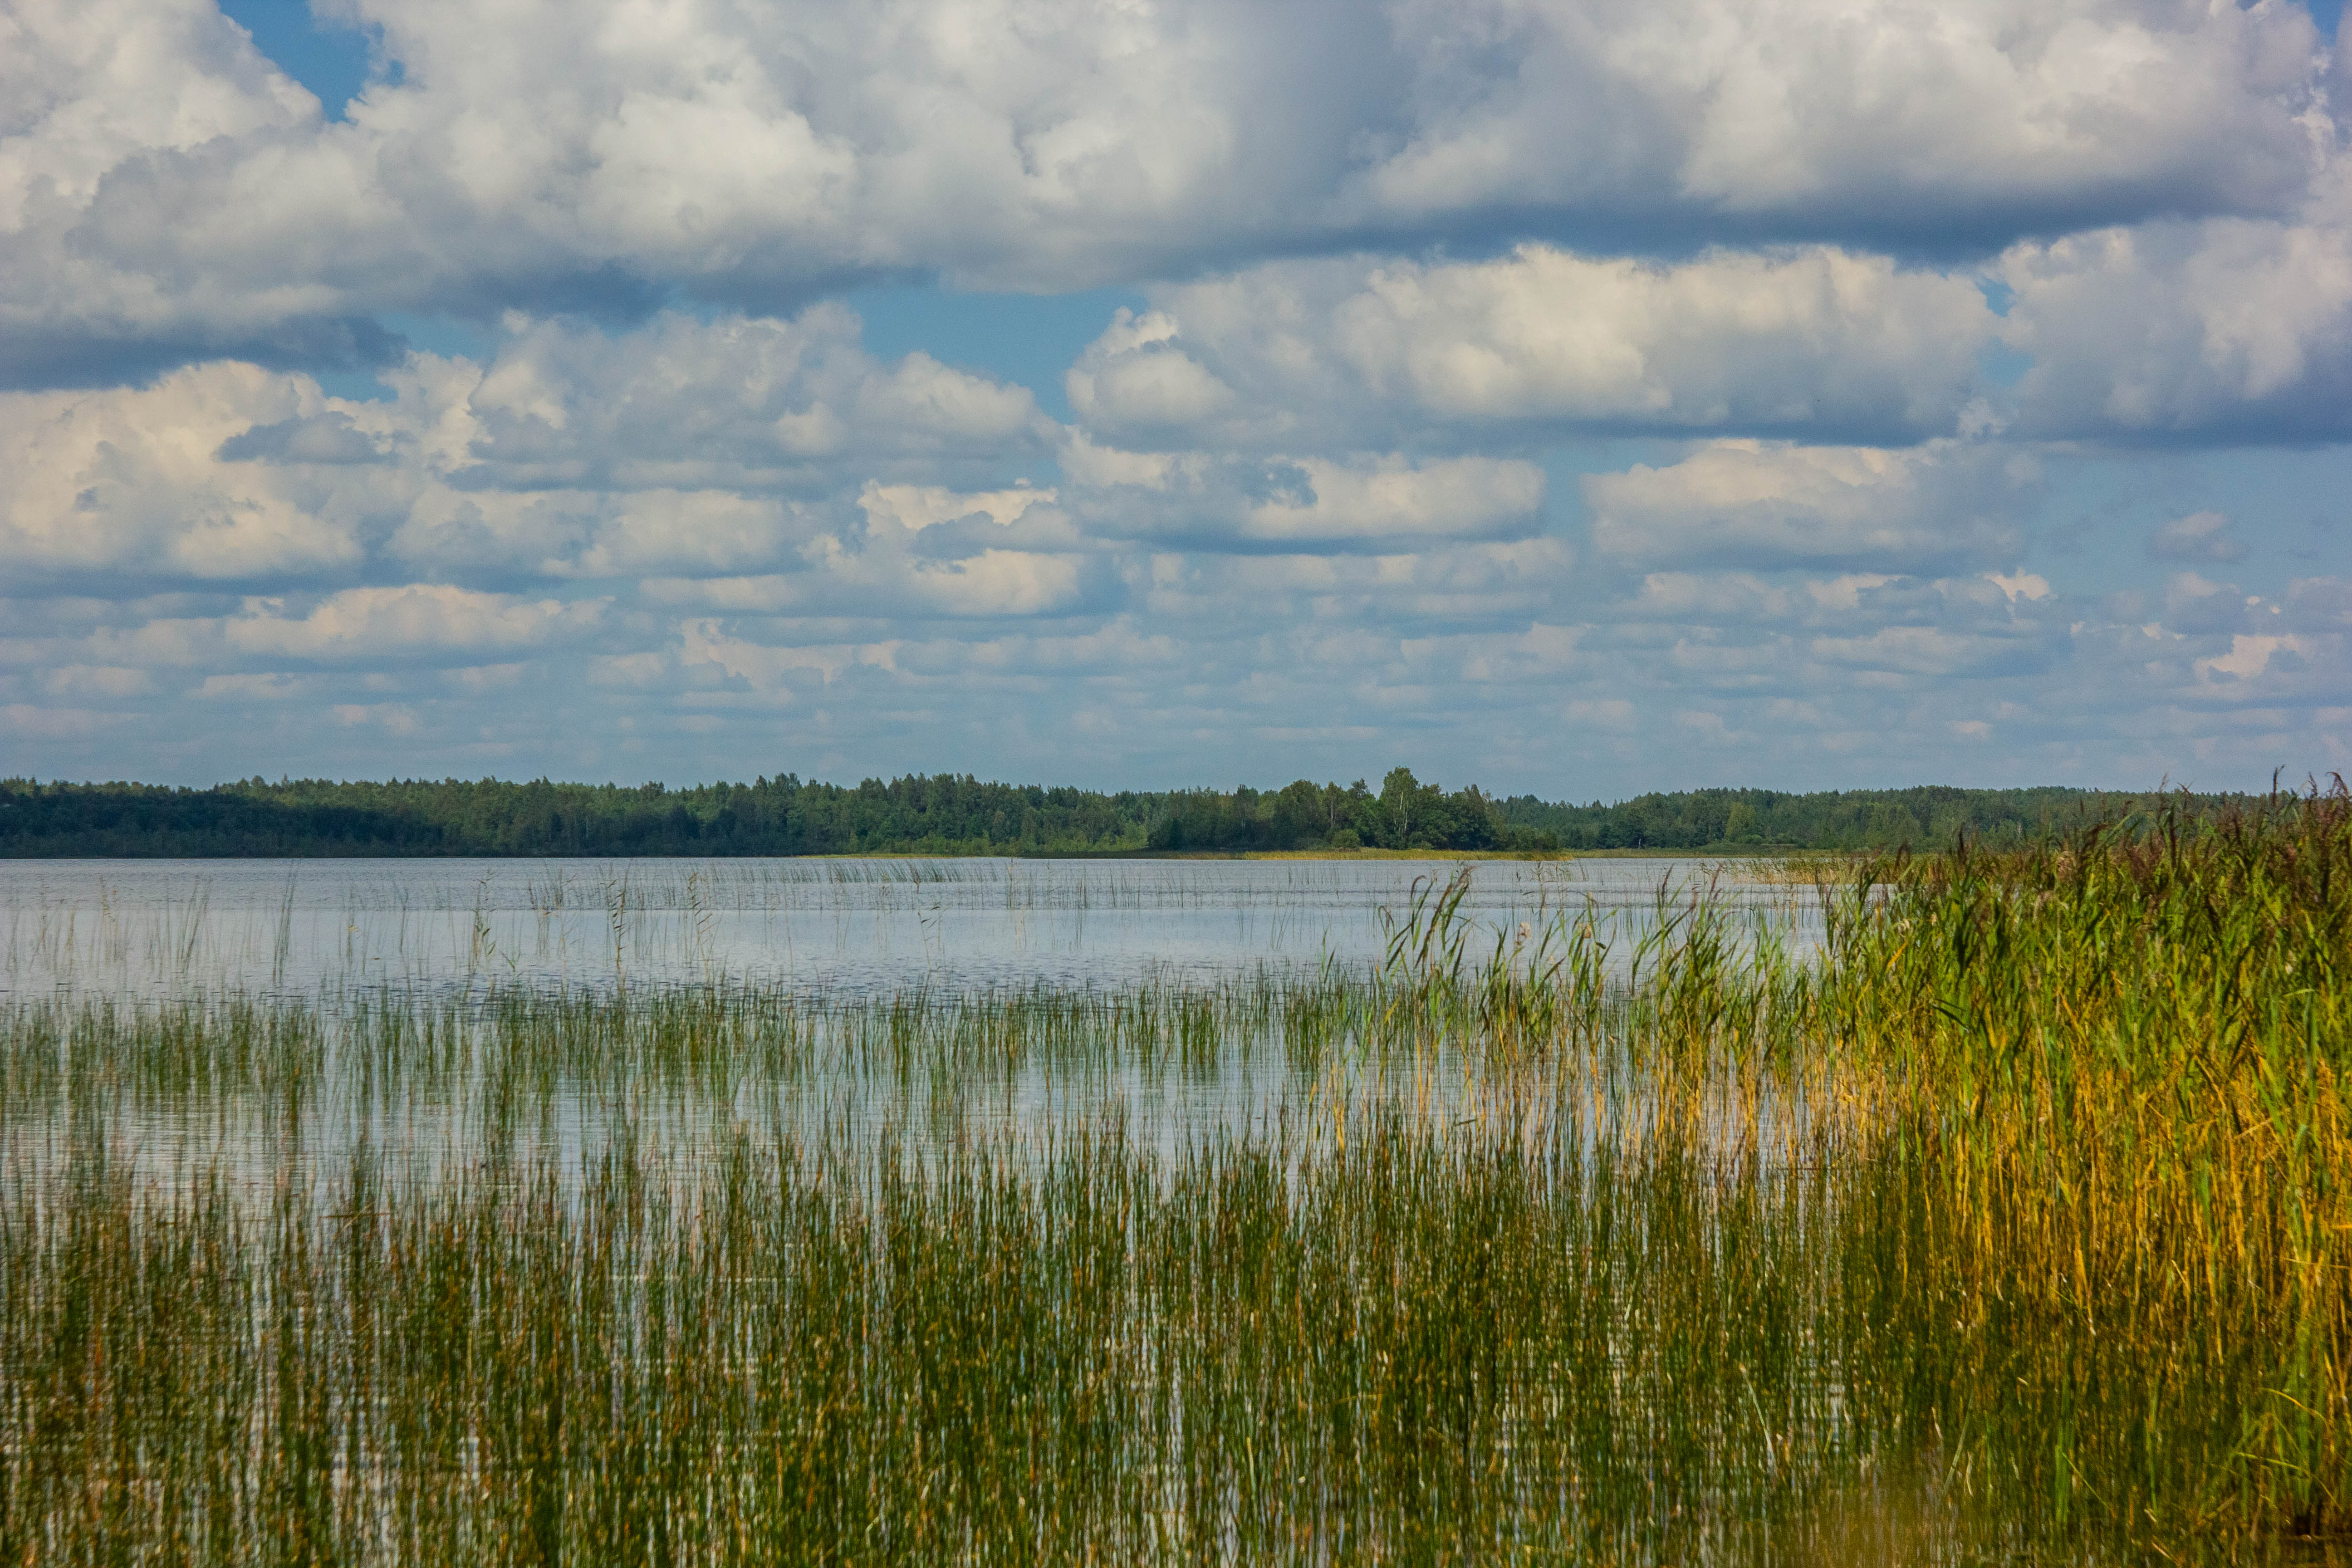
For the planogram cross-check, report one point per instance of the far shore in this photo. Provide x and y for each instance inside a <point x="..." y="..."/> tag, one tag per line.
<point x="1718" y="852"/>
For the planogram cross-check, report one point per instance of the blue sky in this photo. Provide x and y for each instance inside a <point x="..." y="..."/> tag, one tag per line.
<point x="1575" y="399"/>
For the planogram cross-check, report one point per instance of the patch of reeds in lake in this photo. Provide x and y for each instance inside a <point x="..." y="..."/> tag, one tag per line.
<point x="2010" y="1227"/>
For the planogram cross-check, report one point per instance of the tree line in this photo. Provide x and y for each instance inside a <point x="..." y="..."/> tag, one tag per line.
<point x="1929" y="816"/>
<point x="957" y="814"/>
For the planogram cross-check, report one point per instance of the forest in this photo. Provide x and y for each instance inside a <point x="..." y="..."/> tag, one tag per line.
<point x="1928" y="816"/>
<point x="957" y="814"/>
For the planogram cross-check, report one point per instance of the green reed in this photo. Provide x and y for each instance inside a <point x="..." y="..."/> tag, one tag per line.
<point x="1431" y="1349"/>
<point x="2010" y="1226"/>
<point x="2114" y="1069"/>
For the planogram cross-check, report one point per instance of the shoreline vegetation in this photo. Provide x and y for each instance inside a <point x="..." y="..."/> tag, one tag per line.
<point x="951" y="815"/>
<point x="2014" y="1224"/>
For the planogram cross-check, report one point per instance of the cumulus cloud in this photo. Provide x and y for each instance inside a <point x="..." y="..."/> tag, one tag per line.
<point x="1493" y="658"/>
<point x="329" y="438"/>
<point x="165" y="191"/>
<point x="1134" y="377"/>
<point x="1939" y="507"/>
<point x="595" y="551"/>
<point x="1932" y="652"/>
<point x="1815" y="340"/>
<point x="2234" y="329"/>
<point x="925" y="549"/>
<point x="2319" y="603"/>
<point x="683" y="445"/>
<point x="1360" y="502"/>
<point x="1390" y="498"/>
<point x="1398" y="265"/>
<point x="1350" y="598"/>
<point x="1754" y="635"/>
<point x="136" y="480"/>
<point x="2005" y="108"/>
<point x="91" y="85"/>
<point x="740" y="401"/>
<point x="1818" y="339"/>
<point x="97" y="97"/>
<point x="424" y="620"/>
<point x="977" y="575"/>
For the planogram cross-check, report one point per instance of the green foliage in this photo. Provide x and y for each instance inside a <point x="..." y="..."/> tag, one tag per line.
<point x="1931" y="816"/>
<point x="940" y="814"/>
<point x="1405" y="814"/>
<point x="946" y="814"/>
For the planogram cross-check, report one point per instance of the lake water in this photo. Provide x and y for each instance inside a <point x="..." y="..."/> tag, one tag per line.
<point x="829" y="939"/>
<point x="159" y="929"/>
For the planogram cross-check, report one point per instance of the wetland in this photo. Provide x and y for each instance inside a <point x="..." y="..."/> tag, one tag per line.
<point x="1966" y="1208"/>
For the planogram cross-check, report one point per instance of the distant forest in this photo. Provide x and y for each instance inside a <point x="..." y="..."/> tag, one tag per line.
<point x="946" y="814"/>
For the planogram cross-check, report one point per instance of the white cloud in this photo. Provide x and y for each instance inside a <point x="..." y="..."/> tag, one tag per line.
<point x="1934" y="117"/>
<point x="1815" y="339"/>
<point x="1408" y="582"/>
<point x="1488" y="659"/>
<point x="1390" y="498"/>
<point x="1135" y="377"/>
<point x="107" y="93"/>
<point x="1757" y="504"/>
<point x="928" y="400"/>
<point x="899" y="570"/>
<point x="1358" y="503"/>
<point x="131" y="480"/>
<point x="29" y="722"/>
<point x="422" y="620"/>
<point x="89" y="84"/>
<point x="2250" y="657"/>
<point x="772" y="670"/>
<point x="740" y="401"/>
<point x="1930" y="651"/>
<point x="917" y="507"/>
<point x="915" y="558"/>
<point x="167" y="191"/>
<point x="393" y="718"/>
<point x="569" y="453"/>
<point x="1298" y="511"/>
<point x="2320" y="604"/>
<point x="266" y="686"/>
<point x="715" y="531"/>
<point x="2232" y="329"/>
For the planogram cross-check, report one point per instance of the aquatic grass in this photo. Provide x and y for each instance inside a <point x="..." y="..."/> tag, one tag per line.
<point x="2119" y="1064"/>
<point x="2010" y="1227"/>
<point x="1419" y="1347"/>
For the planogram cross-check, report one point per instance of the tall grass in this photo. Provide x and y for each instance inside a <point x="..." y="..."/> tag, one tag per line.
<point x="2010" y="1228"/>
<point x="2114" y="1074"/>
<point x="1403" y="1350"/>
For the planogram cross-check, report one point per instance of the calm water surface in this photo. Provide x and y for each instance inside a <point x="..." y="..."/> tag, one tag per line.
<point x="836" y="932"/>
<point x="846" y="928"/>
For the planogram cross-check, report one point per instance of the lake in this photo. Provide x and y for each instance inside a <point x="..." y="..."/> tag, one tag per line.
<point x="826" y="952"/>
<point x="841" y="927"/>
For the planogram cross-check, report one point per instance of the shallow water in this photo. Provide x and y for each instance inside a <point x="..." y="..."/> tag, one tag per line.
<point x="167" y="929"/>
<point x="844" y="945"/>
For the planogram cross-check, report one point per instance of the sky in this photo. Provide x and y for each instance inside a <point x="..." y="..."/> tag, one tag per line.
<point x="1577" y="397"/>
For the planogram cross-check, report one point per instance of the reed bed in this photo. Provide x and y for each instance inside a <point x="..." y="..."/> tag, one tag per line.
<point x="2008" y="1227"/>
